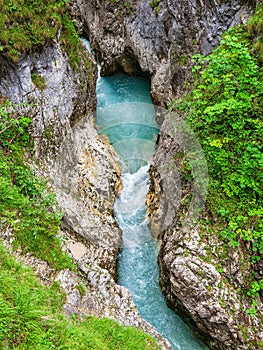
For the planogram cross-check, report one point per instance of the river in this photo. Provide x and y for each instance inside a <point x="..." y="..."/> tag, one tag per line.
<point x="126" y="115"/>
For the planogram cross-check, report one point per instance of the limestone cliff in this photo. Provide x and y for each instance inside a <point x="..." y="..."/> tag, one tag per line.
<point x="83" y="170"/>
<point x="66" y="156"/>
<point x="158" y="38"/>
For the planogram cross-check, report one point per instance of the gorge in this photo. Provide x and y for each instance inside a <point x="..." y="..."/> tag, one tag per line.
<point x="125" y="114"/>
<point x="205" y="279"/>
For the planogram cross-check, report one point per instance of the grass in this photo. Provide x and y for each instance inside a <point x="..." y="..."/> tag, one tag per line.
<point x="30" y="317"/>
<point x="38" y="80"/>
<point x="27" y="25"/>
<point x="27" y="208"/>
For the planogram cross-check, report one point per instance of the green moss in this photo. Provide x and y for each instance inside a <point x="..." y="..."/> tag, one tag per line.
<point x="155" y="5"/>
<point x="27" y="24"/>
<point x="255" y="28"/>
<point x="81" y="288"/>
<point x="30" y="24"/>
<point x="38" y="80"/>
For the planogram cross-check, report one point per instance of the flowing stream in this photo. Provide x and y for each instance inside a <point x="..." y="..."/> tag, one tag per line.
<point x="126" y="115"/>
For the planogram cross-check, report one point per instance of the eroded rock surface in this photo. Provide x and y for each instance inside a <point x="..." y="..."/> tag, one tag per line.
<point x="66" y="96"/>
<point x="156" y="37"/>
<point x="201" y="281"/>
<point x="83" y="169"/>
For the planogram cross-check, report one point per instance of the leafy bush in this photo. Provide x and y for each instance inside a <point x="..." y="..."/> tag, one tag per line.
<point x="38" y="80"/>
<point x="225" y="111"/>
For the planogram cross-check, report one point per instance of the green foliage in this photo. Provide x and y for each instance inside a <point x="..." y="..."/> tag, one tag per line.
<point x="30" y="318"/>
<point x="155" y="5"/>
<point x="125" y="7"/>
<point x="225" y="111"/>
<point x="25" y="24"/>
<point x="255" y="27"/>
<point x="70" y="41"/>
<point x="25" y="204"/>
<point x="38" y="80"/>
<point x="30" y="24"/>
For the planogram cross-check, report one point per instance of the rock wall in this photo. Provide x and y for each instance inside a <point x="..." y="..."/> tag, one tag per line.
<point x="202" y="282"/>
<point x="59" y="103"/>
<point x="159" y="39"/>
<point x="83" y="169"/>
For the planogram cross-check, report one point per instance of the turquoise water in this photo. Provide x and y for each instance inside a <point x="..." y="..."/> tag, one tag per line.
<point x="126" y="115"/>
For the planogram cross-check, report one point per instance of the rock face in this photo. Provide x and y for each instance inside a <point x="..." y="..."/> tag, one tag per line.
<point x="202" y="282"/>
<point x="156" y="37"/>
<point x="83" y="169"/>
<point x="59" y="103"/>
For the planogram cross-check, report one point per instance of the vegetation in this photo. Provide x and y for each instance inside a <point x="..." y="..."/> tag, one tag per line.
<point x="125" y="6"/>
<point x="225" y="111"/>
<point x="255" y="28"/>
<point x="155" y="5"/>
<point x="30" y="24"/>
<point x="30" y="314"/>
<point x="30" y="318"/>
<point x="26" y="207"/>
<point x="38" y="80"/>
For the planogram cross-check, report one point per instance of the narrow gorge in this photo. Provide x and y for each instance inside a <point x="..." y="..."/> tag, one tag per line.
<point x="146" y="221"/>
<point x="126" y="116"/>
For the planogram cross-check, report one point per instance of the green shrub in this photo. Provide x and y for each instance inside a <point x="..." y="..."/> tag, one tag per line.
<point x="38" y="80"/>
<point x="225" y="111"/>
